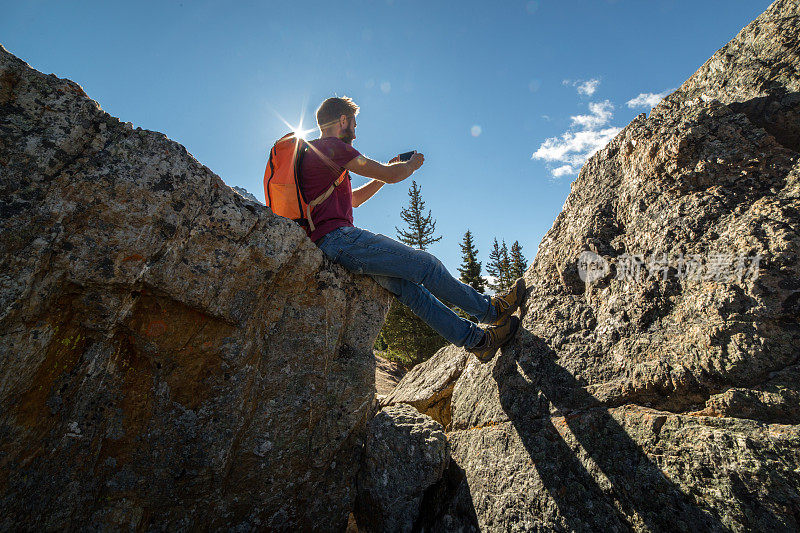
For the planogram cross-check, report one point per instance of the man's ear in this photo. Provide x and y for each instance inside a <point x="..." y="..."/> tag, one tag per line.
<point x="343" y="121"/>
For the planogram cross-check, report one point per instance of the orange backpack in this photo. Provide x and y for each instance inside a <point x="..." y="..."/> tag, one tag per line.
<point x="282" y="180"/>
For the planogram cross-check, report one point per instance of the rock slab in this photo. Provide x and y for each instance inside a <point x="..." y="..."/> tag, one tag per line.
<point x="174" y="356"/>
<point x="429" y="385"/>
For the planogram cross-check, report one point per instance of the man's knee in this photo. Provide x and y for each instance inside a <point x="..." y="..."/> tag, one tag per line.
<point x="433" y="266"/>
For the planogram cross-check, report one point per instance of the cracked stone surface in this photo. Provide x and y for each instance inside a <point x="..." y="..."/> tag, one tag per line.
<point x="173" y="355"/>
<point x="664" y="399"/>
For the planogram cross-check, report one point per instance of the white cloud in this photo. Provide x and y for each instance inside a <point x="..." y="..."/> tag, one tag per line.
<point x="574" y="147"/>
<point x="648" y="100"/>
<point x="584" y="87"/>
<point x="601" y="114"/>
<point x="564" y="170"/>
<point x="588" y="88"/>
<point x="587" y="135"/>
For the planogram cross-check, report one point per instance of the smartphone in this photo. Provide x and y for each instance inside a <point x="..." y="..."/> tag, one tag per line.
<point x="406" y="156"/>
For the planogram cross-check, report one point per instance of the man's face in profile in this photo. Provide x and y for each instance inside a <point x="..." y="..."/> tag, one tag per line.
<point x="350" y="131"/>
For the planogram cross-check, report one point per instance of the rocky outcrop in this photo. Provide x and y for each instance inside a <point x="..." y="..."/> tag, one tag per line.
<point x="653" y="385"/>
<point x="405" y="453"/>
<point x="247" y="194"/>
<point x="173" y="355"/>
<point x="429" y="386"/>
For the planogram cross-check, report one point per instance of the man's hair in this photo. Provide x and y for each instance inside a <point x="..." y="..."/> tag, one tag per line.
<point x="333" y="108"/>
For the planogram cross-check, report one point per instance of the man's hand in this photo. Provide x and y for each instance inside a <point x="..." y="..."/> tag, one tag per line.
<point x="414" y="166"/>
<point x="416" y="161"/>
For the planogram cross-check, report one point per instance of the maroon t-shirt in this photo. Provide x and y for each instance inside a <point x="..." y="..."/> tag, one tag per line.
<point x="316" y="176"/>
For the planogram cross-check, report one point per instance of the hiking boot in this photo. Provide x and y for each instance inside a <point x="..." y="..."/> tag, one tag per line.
<point x="496" y="336"/>
<point x="507" y="303"/>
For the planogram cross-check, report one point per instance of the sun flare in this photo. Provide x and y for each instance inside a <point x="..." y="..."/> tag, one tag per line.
<point x="298" y="131"/>
<point x="301" y="133"/>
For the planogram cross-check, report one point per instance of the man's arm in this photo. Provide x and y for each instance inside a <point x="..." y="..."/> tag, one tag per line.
<point x="391" y="173"/>
<point x="365" y="192"/>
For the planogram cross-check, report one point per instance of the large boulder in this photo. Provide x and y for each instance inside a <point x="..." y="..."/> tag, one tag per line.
<point x="429" y="385"/>
<point x="405" y="453"/>
<point x="174" y="355"/>
<point x="653" y="384"/>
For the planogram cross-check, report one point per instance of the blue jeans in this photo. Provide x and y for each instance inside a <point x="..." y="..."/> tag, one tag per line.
<point x="415" y="277"/>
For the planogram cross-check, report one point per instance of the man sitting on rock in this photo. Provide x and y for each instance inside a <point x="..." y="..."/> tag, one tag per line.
<point x="417" y="278"/>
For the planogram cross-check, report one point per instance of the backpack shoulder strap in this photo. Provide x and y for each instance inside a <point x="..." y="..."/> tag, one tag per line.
<point x="338" y="169"/>
<point x="325" y="159"/>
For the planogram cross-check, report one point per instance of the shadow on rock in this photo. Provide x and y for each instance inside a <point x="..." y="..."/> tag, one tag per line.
<point x="598" y="476"/>
<point x="447" y="505"/>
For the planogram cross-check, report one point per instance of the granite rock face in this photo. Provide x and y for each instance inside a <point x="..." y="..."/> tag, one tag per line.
<point x="405" y="453"/>
<point x="654" y="383"/>
<point x="173" y="355"/>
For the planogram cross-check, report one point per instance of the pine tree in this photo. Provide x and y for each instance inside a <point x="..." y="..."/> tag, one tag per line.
<point x="421" y="226"/>
<point x="499" y="267"/>
<point x="470" y="268"/>
<point x="408" y="339"/>
<point x="493" y="266"/>
<point x="518" y="262"/>
<point x="505" y="266"/>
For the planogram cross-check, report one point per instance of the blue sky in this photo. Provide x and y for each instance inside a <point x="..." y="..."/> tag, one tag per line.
<point x="505" y="99"/>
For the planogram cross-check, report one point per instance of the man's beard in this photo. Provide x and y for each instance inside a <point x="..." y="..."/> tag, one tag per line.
<point x="349" y="134"/>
